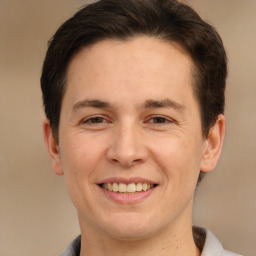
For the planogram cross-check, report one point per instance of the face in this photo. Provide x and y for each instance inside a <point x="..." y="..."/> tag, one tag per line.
<point x="130" y="138"/>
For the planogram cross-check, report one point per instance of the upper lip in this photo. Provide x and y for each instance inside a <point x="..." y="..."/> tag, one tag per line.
<point x="126" y="180"/>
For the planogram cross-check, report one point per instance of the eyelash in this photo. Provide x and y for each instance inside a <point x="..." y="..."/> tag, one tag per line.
<point x="95" y="120"/>
<point x="163" y="120"/>
<point x="91" y="120"/>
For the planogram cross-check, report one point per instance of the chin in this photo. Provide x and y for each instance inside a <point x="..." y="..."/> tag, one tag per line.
<point x="131" y="227"/>
<point x="130" y="233"/>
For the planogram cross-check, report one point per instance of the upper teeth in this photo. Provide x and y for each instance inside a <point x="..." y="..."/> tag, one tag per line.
<point x="124" y="188"/>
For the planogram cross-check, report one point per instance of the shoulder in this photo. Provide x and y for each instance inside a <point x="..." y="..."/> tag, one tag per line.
<point x="73" y="248"/>
<point x="227" y="253"/>
<point x="209" y="244"/>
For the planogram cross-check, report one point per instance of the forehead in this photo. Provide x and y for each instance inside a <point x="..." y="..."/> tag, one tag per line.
<point x="110" y="53"/>
<point x="144" y="65"/>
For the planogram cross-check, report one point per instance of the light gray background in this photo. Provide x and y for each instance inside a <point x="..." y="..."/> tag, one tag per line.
<point x="36" y="216"/>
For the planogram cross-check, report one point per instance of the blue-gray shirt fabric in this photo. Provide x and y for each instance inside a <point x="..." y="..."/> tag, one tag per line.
<point x="204" y="239"/>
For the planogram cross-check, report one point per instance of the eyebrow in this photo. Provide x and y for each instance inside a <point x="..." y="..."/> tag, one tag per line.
<point x="163" y="104"/>
<point x="150" y="103"/>
<point x="91" y="103"/>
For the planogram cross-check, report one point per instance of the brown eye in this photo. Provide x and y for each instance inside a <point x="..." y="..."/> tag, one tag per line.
<point x="95" y="120"/>
<point x="158" y="120"/>
<point x="96" y="123"/>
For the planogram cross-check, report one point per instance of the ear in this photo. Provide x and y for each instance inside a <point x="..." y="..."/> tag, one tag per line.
<point x="213" y="145"/>
<point x="52" y="148"/>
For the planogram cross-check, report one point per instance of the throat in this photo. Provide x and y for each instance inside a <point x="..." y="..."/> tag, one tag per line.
<point x="160" y="245"/>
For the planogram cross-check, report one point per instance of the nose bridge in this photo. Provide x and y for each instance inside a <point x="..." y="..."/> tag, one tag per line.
<point x="127" y="147"/>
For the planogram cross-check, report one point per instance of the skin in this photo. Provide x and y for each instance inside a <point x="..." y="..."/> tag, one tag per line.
<point x="129" y="112"/>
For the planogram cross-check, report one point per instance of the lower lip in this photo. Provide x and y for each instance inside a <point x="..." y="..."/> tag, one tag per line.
<point x="127" y="198"/>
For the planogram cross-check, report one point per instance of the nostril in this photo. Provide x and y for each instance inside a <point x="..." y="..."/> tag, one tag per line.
<point x="126" y="161"/>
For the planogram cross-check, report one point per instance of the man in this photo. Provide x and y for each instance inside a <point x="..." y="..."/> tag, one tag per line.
<point x="134" y="99"/>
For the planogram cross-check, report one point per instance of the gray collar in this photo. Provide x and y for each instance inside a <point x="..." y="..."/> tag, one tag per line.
<point x="209" y="244"/>
<point x="204" y="239"/>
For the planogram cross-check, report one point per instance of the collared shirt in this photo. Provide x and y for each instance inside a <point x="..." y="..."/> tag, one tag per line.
<point x="204" y="239"/>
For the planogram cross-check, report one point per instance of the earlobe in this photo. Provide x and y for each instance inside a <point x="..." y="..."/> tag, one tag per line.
<point x="213" y="145"/>
<point x="52" y="148"/>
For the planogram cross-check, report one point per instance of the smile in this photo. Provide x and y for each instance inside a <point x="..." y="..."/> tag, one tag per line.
<point x="127" y="188"/>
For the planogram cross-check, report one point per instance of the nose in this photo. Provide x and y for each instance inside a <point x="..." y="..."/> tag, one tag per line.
<point x="127" y="147"/>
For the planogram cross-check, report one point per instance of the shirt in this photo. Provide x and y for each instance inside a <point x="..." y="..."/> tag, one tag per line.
<point x="204" y="239"/>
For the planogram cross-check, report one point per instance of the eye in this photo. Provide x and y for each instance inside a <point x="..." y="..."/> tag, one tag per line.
<point x="158" y="120"/>
<point x="94" y="120"/>
<point x="97" y="122"/>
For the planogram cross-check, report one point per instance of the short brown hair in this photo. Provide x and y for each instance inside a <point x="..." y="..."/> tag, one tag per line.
<point x="167" y="20"/>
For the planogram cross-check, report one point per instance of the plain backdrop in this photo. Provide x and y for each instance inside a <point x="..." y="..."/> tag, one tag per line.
<point x="36" y="215"/>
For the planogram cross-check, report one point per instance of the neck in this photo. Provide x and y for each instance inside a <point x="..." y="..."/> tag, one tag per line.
<point x="166" y="242"/>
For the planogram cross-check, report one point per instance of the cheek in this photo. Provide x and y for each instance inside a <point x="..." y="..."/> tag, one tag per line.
<point x="80" y="159"/>
<point x="178" y="158"/>
<point x="81" y="153"/>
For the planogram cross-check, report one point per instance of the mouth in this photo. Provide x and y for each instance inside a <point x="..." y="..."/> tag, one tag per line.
<point x="127" y="191"/>
<point x="131" y="188"/>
